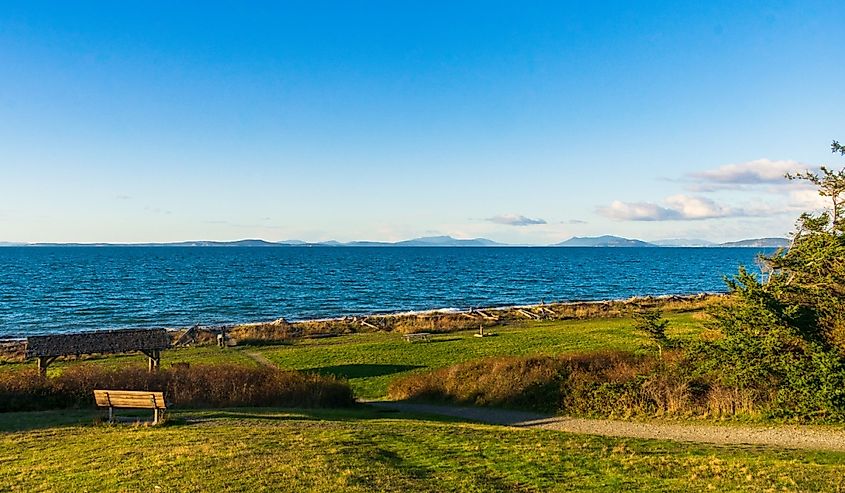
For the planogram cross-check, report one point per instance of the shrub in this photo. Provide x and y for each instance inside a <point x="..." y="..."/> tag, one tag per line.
<point x="193" y="386"/>
<point x="262" y="333"/>
<point x="605" y="384"/>
<point x="652" y="324"/>
<point x="514" y="382"/>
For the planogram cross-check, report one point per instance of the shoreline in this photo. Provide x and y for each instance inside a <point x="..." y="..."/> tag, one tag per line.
<point x="499" y="310"/>
<point x="492" y="308"/>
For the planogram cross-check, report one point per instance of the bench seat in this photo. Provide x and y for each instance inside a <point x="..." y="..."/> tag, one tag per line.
<point x="132" y="399"/>
<point x="418" y="336"/>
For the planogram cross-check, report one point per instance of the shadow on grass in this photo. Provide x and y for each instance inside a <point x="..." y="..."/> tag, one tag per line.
<point x="362" y="370"/>
<point x="60" y="418"/>
<point x="32" y="420"/>
<point x="357" y="413"/>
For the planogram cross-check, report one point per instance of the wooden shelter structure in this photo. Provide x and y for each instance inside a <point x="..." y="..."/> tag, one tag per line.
<point x="47" y="348"/>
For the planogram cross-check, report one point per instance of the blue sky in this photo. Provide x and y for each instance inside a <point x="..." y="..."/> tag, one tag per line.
<point x="524" y="122"/>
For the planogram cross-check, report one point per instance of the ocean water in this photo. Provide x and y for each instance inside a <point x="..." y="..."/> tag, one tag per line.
<point x="63" y="289"/>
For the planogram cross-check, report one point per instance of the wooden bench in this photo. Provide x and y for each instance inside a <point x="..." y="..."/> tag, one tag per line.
<point x="418" y="336"/>
<point x="132" y="399"/>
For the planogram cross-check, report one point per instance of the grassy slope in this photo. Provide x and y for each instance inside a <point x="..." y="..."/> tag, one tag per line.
<point x="363" y="450"/>
<point x="371" y="360"/>
<point x="254" y="450"/>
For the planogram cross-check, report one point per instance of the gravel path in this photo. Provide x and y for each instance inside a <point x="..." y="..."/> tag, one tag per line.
<point x="786" y="436"/>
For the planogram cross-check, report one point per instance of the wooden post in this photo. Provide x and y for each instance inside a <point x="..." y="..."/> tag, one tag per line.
<point x="43" y="363"/>
<point x="154" y="357"/>
<point x="155" y="410"/>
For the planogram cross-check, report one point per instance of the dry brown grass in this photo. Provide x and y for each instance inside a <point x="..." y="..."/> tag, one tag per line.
<point x="611" y="384"/>
<point x="438" y="323"/>
<point x="278" y="330"/>
<point x="185" y="386"/>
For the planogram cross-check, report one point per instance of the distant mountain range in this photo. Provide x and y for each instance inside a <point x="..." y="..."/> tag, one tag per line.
<point x="603" y="241"/>
<point x="684" y="242"/>
<point x="447" y="241"/>
<point x="616" y="241"/>
<point x="759" y="242"/>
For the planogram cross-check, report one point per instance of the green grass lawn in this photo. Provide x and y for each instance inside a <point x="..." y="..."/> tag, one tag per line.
<point x="371" y="361"/>
<point x="365" y="450"/>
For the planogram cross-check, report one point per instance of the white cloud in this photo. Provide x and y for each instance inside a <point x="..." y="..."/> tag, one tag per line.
<point x="637" y="211"/>
<point x="515" y="220"/>
<point x="808" y="199"/>
<point x="757" y="172"/>
<point x="689" y="207"/>
<point x="681" y="208"/>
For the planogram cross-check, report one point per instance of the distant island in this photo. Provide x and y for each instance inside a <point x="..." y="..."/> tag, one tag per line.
<point x="606" y="241"/>
<point x="616" y="241"/>
<point x="603" y="241"/>
<point x="759" y="242"/>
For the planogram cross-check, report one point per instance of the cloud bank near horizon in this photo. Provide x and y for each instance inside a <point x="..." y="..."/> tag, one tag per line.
<point x="515" y="220"/>
<point x="765" y="176"/>
<point x="756" y="172"/>
<point x="675" y="208"/>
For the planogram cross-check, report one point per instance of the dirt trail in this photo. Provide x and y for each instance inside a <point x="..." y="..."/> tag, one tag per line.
<point x="786" y="436"/>
<point x="260" y="358"/>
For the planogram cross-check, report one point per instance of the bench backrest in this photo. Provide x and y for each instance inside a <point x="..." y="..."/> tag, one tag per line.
<point x="132" y="399"/>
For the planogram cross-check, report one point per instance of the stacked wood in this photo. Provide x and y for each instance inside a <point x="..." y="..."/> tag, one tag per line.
<point x="101" y="342"/>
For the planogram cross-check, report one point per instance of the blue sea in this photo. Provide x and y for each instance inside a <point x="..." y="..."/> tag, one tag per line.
<point x="63" y="289"/>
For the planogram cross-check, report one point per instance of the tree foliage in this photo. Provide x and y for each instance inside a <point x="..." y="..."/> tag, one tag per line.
<point x="787" y="335"/>
<point x="652" y="324"/>
<point x="811" y="274"/>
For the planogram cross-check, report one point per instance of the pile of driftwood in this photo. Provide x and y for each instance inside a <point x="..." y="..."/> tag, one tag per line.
<point x="450" y="321"/>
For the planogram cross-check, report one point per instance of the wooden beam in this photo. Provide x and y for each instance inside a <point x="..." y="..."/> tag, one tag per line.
<point x="548" y="311"/>
<point x="188" y="337"/>
<point x="528" y="314"/>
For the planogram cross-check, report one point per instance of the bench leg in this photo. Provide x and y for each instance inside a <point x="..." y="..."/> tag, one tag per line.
<point x="111" y="414"/>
